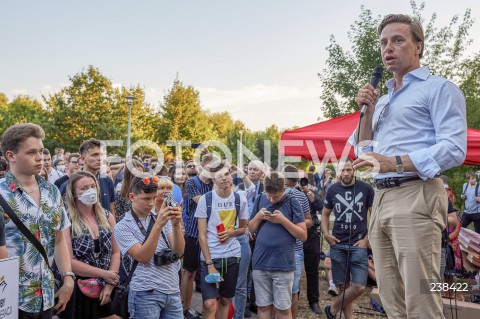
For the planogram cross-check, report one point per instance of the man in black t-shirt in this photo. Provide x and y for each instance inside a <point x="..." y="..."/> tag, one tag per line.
<point x="350" y="201"/>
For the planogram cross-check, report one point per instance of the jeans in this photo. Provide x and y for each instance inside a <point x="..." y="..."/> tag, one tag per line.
<point x="152" y="304"/>
<point x="354" y="269"/>
<point x="241" y="292"/>
<point x="298" y="271"/>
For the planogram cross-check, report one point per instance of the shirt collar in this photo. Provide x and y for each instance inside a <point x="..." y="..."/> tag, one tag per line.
<point x="13" y="184"/>
<point x="421" y="73"/>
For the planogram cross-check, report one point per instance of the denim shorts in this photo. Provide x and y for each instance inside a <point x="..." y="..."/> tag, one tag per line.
<point x="154" y="304"/>
<point x="356" y="270"/>
<point x="273" y="287"/>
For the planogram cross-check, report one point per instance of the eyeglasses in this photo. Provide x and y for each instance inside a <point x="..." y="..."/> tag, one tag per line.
<point x="191" y="166"/>
<point x="380" y="116"/>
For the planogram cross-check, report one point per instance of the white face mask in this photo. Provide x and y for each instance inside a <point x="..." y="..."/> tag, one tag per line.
<point x="88" y="197"/>
<point x="61" y="168"/>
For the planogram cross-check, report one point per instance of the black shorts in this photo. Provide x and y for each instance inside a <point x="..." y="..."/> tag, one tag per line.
<point x="191" y="257"/>
<point x="228" y="269"/>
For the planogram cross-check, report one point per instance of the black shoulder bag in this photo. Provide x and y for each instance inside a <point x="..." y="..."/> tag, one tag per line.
<point x="120" y="297"/>
<point x="28" y="234"/>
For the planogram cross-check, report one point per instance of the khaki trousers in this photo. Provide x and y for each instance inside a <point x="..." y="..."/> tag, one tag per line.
<point x="405" y="235"/>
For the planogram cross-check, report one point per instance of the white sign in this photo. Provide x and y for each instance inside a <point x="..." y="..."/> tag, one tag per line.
<point x="9" y="274"/>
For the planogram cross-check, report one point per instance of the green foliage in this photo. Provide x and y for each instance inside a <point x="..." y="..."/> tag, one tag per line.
<point x="348" y="70"/>
<point x="182" y="118"/>
<point x="471" y="88"/>
<point x="91" y="107"/>
<point x="22" y="109"/>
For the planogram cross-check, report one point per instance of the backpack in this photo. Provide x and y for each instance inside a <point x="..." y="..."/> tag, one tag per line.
<point x="476" y="189"/>
<point x="209" y="200"/>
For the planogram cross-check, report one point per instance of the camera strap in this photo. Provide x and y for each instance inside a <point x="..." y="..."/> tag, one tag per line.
<point x="146" y="233"/>
<point x="150" y="226"/>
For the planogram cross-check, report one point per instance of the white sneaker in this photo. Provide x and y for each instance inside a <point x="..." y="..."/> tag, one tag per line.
<point x="332" y="291"/>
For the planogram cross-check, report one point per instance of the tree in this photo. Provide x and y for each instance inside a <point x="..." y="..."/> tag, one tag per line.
<point x="22" y="109"/>
<point x="3" y="100"/>
<point x="91" y="107"/>
<point x="182" y="117"/>
<point x="471" y="88"/>
<point x="348" y="70"/>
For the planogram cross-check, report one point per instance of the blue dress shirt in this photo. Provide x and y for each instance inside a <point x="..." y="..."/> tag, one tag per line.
<point x="425" y="119"/>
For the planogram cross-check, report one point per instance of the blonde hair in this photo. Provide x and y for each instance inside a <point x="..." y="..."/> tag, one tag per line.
<point x="78" y="225"/>
<point x="165" y="182"/>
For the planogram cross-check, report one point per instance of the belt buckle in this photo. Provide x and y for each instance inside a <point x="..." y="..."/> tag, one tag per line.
<point x="392" y="182"/>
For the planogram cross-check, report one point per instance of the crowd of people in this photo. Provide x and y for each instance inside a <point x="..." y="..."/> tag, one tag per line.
<point x="244" y="236"/>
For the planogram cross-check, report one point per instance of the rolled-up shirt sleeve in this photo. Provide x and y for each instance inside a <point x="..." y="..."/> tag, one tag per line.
<point x="359" y="149"/>
<point x="448" y="114"/>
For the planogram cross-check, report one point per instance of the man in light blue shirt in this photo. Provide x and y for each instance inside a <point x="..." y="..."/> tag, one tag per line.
<point x="407" y="137"/>
<point x="470" y="194"/>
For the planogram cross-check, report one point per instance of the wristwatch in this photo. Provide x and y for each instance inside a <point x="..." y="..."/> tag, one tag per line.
<point x="69" y="273"/>
<point x="209" y="263"/>
<point x="400" y="168"/>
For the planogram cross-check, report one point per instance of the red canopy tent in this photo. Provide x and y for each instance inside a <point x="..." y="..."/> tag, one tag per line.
<point x="328" y="140"/>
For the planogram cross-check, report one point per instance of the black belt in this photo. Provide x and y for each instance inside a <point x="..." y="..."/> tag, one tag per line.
<point x="392" y="182"/>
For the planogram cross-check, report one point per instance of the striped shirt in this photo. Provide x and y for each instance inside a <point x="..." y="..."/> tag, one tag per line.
<point x="191" y="227"/>
<point x="147" y="276"/>
<point x="304" y="204"/>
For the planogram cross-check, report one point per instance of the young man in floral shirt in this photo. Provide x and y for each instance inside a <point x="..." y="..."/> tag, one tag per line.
<point x="39" y="206"/>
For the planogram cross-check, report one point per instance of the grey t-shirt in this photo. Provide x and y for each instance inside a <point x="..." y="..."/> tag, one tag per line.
<point x="471" y="205"/>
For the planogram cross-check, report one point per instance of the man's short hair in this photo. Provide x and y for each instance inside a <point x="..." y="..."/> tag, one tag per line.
<point x="291" y="173"/>
<point x="72" y="155"/>
<point x="217" y="166"/>
<point x="17" y="134"/>
<point x="274" y="182"/>
<point x="415" y="27"/>
<point x="311" y="169"/>
<point x="471" y="174"/>
<point x="344" y="160"/>
<point x="207" y="158"/>
<point x="45" y="151"/>
<point x="145" y="184"/>
<point x="88" y="144"/>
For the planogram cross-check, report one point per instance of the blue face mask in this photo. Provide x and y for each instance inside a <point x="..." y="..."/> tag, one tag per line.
<point x="288" y="190"/>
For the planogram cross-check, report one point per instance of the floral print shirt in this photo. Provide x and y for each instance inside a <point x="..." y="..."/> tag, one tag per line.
<point x="36" y="282"/>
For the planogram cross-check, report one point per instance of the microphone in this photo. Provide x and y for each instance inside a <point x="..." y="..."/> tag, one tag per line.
<point x="377" y="74"/>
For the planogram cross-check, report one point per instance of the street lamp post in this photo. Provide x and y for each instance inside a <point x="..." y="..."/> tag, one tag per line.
<point x="129" y="100"/>
<point x="240" y="157"/>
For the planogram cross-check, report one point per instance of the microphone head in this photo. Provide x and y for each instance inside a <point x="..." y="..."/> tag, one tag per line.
<point x="377" y="74"/>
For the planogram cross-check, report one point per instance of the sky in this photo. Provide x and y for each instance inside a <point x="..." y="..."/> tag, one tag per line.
<point x="258" y="60"/>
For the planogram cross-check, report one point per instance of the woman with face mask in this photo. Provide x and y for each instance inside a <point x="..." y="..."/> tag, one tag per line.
<point x="95" y="255"/>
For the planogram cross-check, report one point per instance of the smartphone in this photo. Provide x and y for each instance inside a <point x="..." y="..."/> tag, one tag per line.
<point x="267" y="212"/>
<point x="220" y="228"/>
<point x="169" y="201"/>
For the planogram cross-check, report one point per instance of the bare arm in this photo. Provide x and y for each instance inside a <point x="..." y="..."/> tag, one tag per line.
<point x="176" y="237"/>
<point x="298" y="230"/>
<point x="3" y="252"/>
<point x="112" y="209"/>
<point x="202" y="239"/>
<point x="332" y="240"/>
<point x="64" y="265"/>
<point x="255" y="221"/>
<point x="143" y="253"/>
